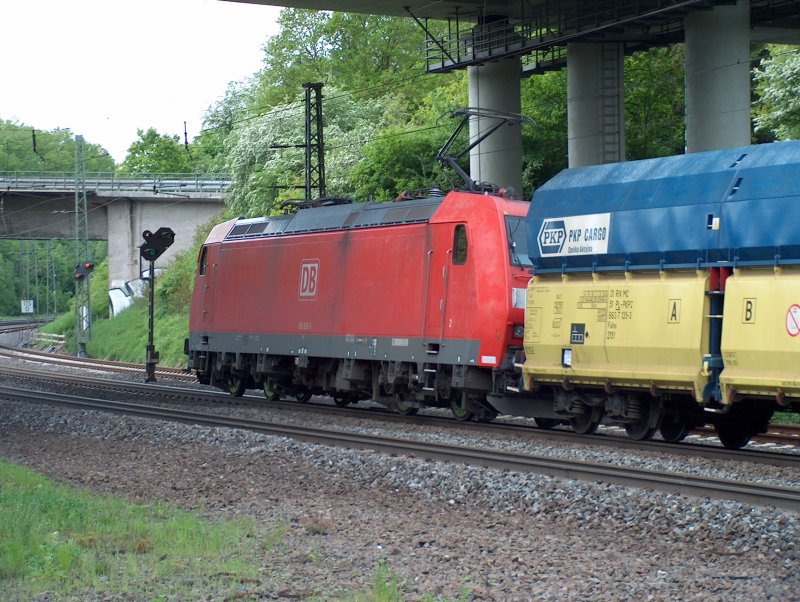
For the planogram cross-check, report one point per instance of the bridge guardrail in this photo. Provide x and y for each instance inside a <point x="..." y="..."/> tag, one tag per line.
<point x="165" y="183"/>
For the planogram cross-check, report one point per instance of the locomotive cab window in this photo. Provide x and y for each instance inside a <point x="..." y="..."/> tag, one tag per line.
<point x="460" y="245"/>
<point x="203" y="261"/>
<point x="517" y="241"/>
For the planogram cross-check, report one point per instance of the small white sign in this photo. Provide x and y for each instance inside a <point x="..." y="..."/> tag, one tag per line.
<point x="575" y="235"/>
<point x="26" y="306"/>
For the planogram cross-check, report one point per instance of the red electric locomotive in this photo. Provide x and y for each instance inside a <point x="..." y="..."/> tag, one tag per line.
<point x="412" y="303"/>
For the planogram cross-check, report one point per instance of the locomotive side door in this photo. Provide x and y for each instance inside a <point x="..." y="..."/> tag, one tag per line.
<point x="446" y="249"/>
<point x="207" y="270"/>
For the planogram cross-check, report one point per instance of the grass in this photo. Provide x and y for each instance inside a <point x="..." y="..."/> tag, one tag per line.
<point x="786" y="418"/>
<point x="74" y="544"/>
<point x="124" y="338"/>
<point x="60" y="539"/>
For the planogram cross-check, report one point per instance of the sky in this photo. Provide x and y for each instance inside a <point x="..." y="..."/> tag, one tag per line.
<point x="103" y="68"/>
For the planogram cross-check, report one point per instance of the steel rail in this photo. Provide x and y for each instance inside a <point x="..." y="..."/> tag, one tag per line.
<point x="78" y="362"/>
<point x="779" y="434"/>
<point x="750" y="493"/>
<point x="194" y="395"/>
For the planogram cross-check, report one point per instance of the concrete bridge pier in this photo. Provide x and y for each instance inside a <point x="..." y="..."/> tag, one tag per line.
<point x="718" y="78"/>
<point x="595" y="104"/>
<point x="498" y="159"/>
<point x="128" y="218"/>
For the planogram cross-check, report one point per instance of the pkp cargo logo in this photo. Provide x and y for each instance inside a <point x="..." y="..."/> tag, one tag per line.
<point x="575" y="235"/>
<point x="552" y="235"/>
<point x="309" y="279"/>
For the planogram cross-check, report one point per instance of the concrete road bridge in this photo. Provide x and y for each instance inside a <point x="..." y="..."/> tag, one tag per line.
<point x="41" y="205"/>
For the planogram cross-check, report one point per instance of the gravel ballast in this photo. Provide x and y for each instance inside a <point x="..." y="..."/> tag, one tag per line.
<point x="444" y="529"/>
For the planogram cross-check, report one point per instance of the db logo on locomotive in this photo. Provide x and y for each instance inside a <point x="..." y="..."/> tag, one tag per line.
<point x="309" y="277"/>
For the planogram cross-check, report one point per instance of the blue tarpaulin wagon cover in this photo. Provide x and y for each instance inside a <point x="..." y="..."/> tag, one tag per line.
<point x="730" y="207"/>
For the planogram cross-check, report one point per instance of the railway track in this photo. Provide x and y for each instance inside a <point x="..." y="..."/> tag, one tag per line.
<point x="778" y="434"/>
<point x="614" y="438"/>
<point x="751" y="493"/>
<point x="36" y="355"/>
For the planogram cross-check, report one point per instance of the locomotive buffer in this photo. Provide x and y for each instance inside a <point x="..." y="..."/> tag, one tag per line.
<point x="155" y="243"/>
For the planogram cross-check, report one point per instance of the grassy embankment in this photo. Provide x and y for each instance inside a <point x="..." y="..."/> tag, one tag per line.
<point x="71" y="543"/>
<point x="124" y="338"/>
<point x="60" y="539"/>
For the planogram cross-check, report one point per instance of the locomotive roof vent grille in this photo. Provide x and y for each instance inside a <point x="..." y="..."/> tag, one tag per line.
<point x="337" y="217"/>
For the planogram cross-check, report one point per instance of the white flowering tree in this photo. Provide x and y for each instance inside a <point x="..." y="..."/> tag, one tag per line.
<point x="266" y="161"/>
<point x="777" y="83"/>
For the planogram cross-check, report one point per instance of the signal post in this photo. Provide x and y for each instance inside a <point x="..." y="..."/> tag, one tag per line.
<point x="155" y="243"/>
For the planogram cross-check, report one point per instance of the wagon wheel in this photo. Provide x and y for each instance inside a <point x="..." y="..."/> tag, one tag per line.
<point x="459" y="407"/>
<point x="271" y="391"/>
<point x="547" y="423"/>
<point x="587" y="423"/>
<point x="236" y="385"/>
<point x="641" y="430"/>
<point x="341" y="400"/>
<point x="674" y="429"/>
<point x="733" y="435"/>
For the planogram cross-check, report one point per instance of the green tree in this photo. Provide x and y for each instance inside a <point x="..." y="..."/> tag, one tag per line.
<point x="544" y="146"/>
<point x="24" y="273"/>
<point x="299" y="53"/>
<point x="367" y="55"/>
<point x="208" y="148"/>
<point x="777" y="85"/>
<point x="654" y="103"/>
<point x="400" y="160"/>
<point x="156" y="153"/>
<point x="54" y="150"/>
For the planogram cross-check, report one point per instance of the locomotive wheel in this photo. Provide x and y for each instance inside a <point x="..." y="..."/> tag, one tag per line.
<point x="341" y="400"/>
<point x="236" y="385"/>
<point x="402" y="406"/>
<point x="270" y="392"/>
<point x="546" y="423"/>
<point x="302" y="394"/>
<point x="458" y="405"/>
<point x="733" y="435"/>
<point x="674" y="429"/>
<point x="405" y="409"/>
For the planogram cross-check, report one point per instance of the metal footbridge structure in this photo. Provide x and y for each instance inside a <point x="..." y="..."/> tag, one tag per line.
<point x="119" y="207"/>
<point x="109" y="184"/>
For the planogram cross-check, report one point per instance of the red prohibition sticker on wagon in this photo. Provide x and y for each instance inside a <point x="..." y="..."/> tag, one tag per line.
<point x="793" y="320"/>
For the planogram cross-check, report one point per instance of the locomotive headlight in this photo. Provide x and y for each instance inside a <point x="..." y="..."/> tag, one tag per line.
<point x="518" y="331"/>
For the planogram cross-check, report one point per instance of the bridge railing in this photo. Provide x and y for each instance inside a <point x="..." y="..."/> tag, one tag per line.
<point x="110" y="182"/>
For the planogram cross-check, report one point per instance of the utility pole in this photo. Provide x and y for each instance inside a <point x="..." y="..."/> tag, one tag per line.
<point x="315" y="145"/>
<point x="83" y="301"/>
<point x="52" y="299"/>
